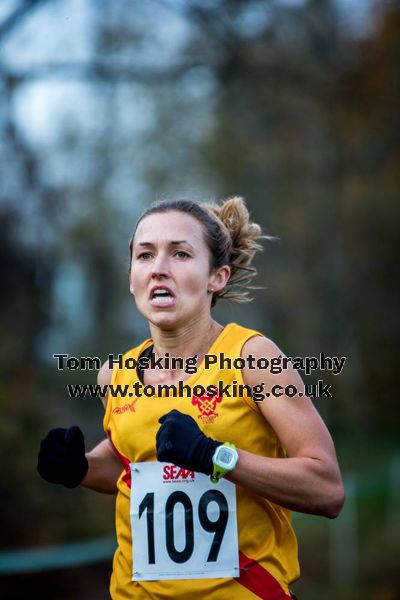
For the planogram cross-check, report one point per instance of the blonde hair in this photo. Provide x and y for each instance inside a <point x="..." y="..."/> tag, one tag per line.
<point x="230" y="236"/>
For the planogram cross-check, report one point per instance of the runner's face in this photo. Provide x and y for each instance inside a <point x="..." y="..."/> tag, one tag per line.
<point x="169" y="253"/>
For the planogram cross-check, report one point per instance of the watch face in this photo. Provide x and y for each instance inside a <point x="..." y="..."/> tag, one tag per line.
<point x="225" y="457"/>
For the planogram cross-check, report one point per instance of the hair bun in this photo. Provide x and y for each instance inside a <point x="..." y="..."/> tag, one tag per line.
<point x="243" y="233"/>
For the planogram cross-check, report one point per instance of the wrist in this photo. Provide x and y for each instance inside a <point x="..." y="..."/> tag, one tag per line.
<point x="225" y="459"/>
<point x="211" y="449"/>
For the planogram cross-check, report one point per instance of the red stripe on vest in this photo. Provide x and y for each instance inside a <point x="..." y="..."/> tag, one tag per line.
<point x="124" y="461"/>
<point x="258" y="580"/>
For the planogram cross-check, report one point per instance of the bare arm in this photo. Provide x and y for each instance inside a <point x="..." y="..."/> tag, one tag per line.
<point x="104" y="466"/>
<point x="309" y="479"/>
<point x="104" y="469"/>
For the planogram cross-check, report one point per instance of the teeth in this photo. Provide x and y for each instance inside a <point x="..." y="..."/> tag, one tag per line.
<point x="162" y="299"/>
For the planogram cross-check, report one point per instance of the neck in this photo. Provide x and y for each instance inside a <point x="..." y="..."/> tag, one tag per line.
<point x="188" y="340"/>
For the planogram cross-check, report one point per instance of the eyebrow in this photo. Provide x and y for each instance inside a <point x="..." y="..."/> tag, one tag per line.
<point x="172" y="243"/>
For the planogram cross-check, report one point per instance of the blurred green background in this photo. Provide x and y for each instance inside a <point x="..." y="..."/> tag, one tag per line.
<point x="104" y="107"/>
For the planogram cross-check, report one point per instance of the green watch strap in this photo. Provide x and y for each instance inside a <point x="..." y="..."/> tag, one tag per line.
<point x="219" y="472"/>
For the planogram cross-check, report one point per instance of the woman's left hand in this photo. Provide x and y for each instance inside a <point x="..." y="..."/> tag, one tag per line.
<point x="180" y="441"/>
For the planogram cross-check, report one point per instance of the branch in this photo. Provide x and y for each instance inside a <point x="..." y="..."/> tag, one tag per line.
<point x="98" y="71"/>
<point x="18" y="15"/>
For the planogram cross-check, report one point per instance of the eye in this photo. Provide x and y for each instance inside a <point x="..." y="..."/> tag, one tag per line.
<point x="182" y="254"/>
<point x="144" y="256"/>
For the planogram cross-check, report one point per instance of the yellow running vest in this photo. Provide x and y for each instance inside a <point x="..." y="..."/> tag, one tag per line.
<point x="267" y="543"/>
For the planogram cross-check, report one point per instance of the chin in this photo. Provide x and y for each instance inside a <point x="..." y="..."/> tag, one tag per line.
<point x="169" y="322"/>
<point x="169" y="319"/>
<point x="163" y="321"/>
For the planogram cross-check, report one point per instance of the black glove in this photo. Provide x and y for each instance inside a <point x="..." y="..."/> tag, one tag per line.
<point x="62" y="457"/>
<point x="180" y="441"/>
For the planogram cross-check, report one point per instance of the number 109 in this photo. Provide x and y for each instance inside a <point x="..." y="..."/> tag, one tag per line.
<point x="217" y="527"/>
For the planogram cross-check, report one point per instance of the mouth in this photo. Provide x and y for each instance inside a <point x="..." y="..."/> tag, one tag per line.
<point x="162" y="296"/>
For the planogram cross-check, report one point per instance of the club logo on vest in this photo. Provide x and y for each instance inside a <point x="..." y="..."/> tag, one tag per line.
<point x="207" y="406"/>
<point x="118" y="410"/>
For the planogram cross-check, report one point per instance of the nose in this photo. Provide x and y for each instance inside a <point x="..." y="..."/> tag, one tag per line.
<point x="160" y="266"/>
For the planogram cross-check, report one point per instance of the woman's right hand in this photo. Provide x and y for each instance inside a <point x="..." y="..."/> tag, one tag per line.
<point x="61" y="457"/>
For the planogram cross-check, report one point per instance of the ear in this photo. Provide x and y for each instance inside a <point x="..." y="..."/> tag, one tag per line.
<point x="131" y="288"/>
<point x="219" y="278"/>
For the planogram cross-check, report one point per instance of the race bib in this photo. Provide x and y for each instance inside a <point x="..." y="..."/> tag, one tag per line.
<point x="183" y="526"/>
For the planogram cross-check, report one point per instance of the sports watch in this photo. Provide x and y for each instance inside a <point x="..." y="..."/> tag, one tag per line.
<point x="224" y="460"/>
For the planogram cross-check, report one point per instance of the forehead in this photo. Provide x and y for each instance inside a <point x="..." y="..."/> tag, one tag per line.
<point x="169" y="226"/>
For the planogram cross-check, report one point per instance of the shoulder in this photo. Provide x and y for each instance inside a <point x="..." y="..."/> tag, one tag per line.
<point x="260" y="346"/>
<point x="104" y="378"/>
<point x="105" y="374"/>
<point x="270" y="364"/>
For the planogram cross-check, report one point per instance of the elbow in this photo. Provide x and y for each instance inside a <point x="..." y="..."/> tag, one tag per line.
<point x="334" y="501"/>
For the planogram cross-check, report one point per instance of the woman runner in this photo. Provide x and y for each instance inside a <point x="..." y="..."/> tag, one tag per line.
<point x="213" y="461"/>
